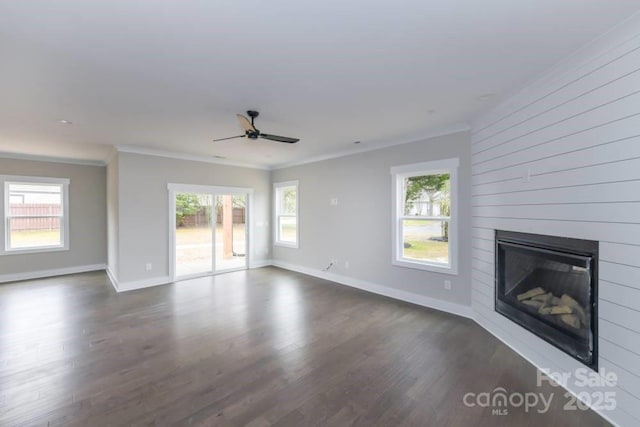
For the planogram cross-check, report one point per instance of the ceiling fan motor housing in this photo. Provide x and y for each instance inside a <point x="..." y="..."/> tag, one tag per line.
<point x="251" y="132"/>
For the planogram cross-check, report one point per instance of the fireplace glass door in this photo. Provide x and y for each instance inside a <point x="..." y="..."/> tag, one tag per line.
<point x="550" y="291"/>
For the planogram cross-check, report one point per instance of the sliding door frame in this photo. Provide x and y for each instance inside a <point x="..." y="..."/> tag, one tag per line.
<point x="213" y="191"/>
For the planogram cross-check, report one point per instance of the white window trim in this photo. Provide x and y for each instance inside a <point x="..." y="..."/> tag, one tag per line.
<point x="276" y="233"/>
<point x="427" y="168"/>
<point x="6" y="180"/>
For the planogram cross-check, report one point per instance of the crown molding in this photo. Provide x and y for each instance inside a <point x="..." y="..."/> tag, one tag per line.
<point x="51" y="159"/>
<point x="183" y="156"/>
<point x="113" y="153"/>
<point x="456" y="128"/>
<point x="459" y="127"/>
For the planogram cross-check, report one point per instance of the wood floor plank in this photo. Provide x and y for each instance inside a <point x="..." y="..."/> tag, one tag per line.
<point x="257" y="348"/>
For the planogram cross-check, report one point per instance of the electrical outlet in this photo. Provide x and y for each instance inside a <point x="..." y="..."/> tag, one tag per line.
<point x="331" y="264"/>
<point x="447" y="285"/>
<point x="148" y="266"/>
<point x="333" y="202"/>
<point x="346" y="265"/>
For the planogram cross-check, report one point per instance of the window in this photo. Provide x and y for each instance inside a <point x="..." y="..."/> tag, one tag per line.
<point x="286" y="213"/>
<point x="35" y="212"/>
<point x="424" y="216"/>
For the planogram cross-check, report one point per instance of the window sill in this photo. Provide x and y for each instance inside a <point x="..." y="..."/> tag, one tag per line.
<point x="33" y="250"/>
<point x="286" y="245"/>
<point x="435" y="268"/>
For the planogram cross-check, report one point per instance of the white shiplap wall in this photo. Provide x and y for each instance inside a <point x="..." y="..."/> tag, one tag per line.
<point x="562" y="157"/>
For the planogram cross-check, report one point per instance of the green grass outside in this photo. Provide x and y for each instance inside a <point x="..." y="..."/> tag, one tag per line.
<point x="427" y="250"/>
<point x="288" y="233"/>
<point x="31" y="238"/>
<point x="419" y="234"/>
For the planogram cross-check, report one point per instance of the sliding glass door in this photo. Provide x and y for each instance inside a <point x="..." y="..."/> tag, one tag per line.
<point x="231" y="230"/>
<point x="209" y="230"/>
<point x="194" y="234"/>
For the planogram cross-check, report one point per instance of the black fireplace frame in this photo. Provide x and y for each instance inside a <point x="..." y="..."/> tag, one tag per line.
<point x="561" y="246"/>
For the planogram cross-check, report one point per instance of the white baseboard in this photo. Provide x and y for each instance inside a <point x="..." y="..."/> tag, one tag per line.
<point x="260" y="263"/>
<point x="112" y="278"/>
<point x="446" y="306"/>
<point x="41" y="274"/>
<point x="143" y="283"/>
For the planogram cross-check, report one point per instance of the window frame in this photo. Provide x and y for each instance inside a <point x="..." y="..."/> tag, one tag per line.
<point x="5" y="236"/>
<point x="277" y="215"/>
<point x="398" y="174"/>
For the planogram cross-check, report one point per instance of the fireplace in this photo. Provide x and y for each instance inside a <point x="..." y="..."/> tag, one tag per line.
<point x="549" y="286"/>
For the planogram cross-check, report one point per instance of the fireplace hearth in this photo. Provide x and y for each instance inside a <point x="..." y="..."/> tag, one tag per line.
<point x="549" y="285"/>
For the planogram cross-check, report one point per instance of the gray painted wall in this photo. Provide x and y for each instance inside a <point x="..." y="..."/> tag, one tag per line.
<point x="358" y="229"/>
<point x="113" y="215"/>
<point x="144" y="208"/>
<point x="87" y="214"/>
<point x="575" y="133"/>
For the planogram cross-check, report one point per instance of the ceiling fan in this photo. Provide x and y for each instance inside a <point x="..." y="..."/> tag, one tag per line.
<point x="251" y="132"/>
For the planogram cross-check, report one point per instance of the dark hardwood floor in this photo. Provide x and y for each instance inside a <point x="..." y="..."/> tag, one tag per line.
<point x="257" y="348"/>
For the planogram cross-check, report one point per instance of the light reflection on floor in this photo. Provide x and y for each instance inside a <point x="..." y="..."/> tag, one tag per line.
<point x="34" y="325"/>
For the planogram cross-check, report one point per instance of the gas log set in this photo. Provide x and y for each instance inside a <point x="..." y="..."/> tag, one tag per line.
<point x="565" y="308"/>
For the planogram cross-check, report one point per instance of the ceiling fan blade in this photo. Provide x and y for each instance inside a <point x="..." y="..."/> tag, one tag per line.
<point x="279" y="138"/>
<point x="246" y="123"/>
<point x="231" y="137"/>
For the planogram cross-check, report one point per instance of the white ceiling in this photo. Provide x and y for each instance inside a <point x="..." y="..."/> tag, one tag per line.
<point x="171" y="75"/>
